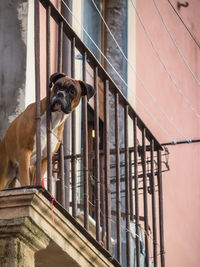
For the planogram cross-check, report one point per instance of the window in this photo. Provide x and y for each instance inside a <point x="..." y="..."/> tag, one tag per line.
<point x="92" y="23"/>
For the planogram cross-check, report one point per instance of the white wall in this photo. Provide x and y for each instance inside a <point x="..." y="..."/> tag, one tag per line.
<point x="30" y="59"/>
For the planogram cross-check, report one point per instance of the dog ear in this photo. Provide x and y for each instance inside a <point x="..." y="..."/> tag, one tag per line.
<point x="54" y="77"/>
<point x="87" y="89"/>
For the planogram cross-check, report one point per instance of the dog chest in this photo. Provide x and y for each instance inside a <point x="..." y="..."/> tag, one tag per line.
<point x="57" y="119"/>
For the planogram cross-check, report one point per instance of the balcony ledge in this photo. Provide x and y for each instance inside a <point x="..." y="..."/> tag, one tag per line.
<point x="33" y="232"/>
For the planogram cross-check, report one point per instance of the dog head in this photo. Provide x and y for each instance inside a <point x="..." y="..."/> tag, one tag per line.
<point x="67" y="92"/>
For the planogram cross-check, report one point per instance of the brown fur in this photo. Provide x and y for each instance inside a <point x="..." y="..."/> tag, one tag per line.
<point x="17" y="146"/>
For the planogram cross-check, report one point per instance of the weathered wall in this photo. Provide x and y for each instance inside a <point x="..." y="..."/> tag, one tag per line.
<point x="13" y="30"/>
<point x="116" y="18"/>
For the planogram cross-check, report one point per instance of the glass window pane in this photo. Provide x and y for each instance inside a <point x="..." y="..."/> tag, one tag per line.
<point x="93" y="25"/>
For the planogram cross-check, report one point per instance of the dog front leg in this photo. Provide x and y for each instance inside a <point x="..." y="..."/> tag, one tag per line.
<point x="32" y="171"/>
<point x="3" y="165"/>
<point x="24" y="164"/>
<point x="43" y="170"/>
<point x="3" y="172"/>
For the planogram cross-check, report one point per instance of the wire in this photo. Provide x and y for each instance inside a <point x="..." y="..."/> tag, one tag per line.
<point x="164" y="66"/>
<point x="138" y="78"/>
<point x="194" y="39"/>
<point x="175" y="44"/>
<point x="174" y="142"/>
<point x="164" y="130"/>
<point x="137" y="98"/>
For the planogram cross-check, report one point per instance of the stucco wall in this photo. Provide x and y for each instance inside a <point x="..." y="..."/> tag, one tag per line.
<point x="181" y="184"/>
<point x="13" y="29"/>
<point x="116" y="18"/>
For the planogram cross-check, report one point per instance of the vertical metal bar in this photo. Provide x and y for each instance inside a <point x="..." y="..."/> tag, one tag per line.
<point x="107" y="165"/>
<point x="103" y="222"/>
<point x="131" y="187"/>
<point x="97" y="171"/>
<point x="118" y="189"/>
<point x="73" y="42"/>
<point x="60" y="47"/>
<point x="161" y="222"/>
<point x="136" y="192"/>
<point x="85" y="148"/>
<point x="37" y="91"/>
<point x="66" y="142"/>
<point x="74" y="163"/>
<point x="67" y="129"/>
<point x="61" y="149"/>
<point x="127" y="188"/>
<point x="61" y="176"/>
<point x="48" y="93"/>
<point x="146" y="221"/>
<point x="153" y="205"/>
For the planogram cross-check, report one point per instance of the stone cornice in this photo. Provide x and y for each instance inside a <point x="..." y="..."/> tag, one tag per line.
<point x="31" y="209"/>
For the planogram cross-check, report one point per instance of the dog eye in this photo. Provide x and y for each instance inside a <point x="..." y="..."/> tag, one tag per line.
<point x="56" y="88"/>
<point x="72" y="90"/>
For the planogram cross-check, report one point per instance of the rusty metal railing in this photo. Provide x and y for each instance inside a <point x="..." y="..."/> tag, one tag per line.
<point x="86" y="189"/>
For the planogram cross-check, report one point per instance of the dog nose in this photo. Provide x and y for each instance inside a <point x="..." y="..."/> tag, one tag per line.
<point x="60" y="94"/>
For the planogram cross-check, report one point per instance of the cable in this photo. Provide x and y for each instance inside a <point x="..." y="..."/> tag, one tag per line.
<point x="164" y="130"/>
<point x="137" y="76"/>
<point x="174" y="142"/>
<point x="174" y="42"/>
<point x="194" y="39"/>
<point x="137" y="98"/>
<point x="164" y="66"/>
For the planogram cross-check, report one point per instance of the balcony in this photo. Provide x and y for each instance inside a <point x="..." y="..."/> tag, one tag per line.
<point x="101" y="202"/>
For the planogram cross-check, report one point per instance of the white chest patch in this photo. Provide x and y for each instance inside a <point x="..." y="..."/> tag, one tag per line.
<point x="57" y="118"/>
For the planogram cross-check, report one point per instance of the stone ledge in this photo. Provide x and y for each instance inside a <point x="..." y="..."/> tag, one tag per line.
<point x="24" y="229"/>
<point x="32" y="208"/>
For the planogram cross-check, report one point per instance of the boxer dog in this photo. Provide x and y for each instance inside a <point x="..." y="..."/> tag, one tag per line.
<point x="18" y="147"/>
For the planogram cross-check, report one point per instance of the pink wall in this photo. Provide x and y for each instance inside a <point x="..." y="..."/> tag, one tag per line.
<point x="182" y="183"/>
<point x="53" y="46"/>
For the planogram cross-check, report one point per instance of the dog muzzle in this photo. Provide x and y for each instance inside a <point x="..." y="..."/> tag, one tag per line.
<point x="60" y="102"/>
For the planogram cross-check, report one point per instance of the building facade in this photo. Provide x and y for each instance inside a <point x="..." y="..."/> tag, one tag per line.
<point x="173" y="80"/>
<point x="111" y="177"/>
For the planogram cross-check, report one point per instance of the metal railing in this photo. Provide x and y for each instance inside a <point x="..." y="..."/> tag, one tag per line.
<point x="133" y="195"/>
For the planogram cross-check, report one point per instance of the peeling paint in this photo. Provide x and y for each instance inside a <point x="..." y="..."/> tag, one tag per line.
<point x="19" y="106"/>
<point x="22" y="18"/>
<point x="13" y="39"/>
